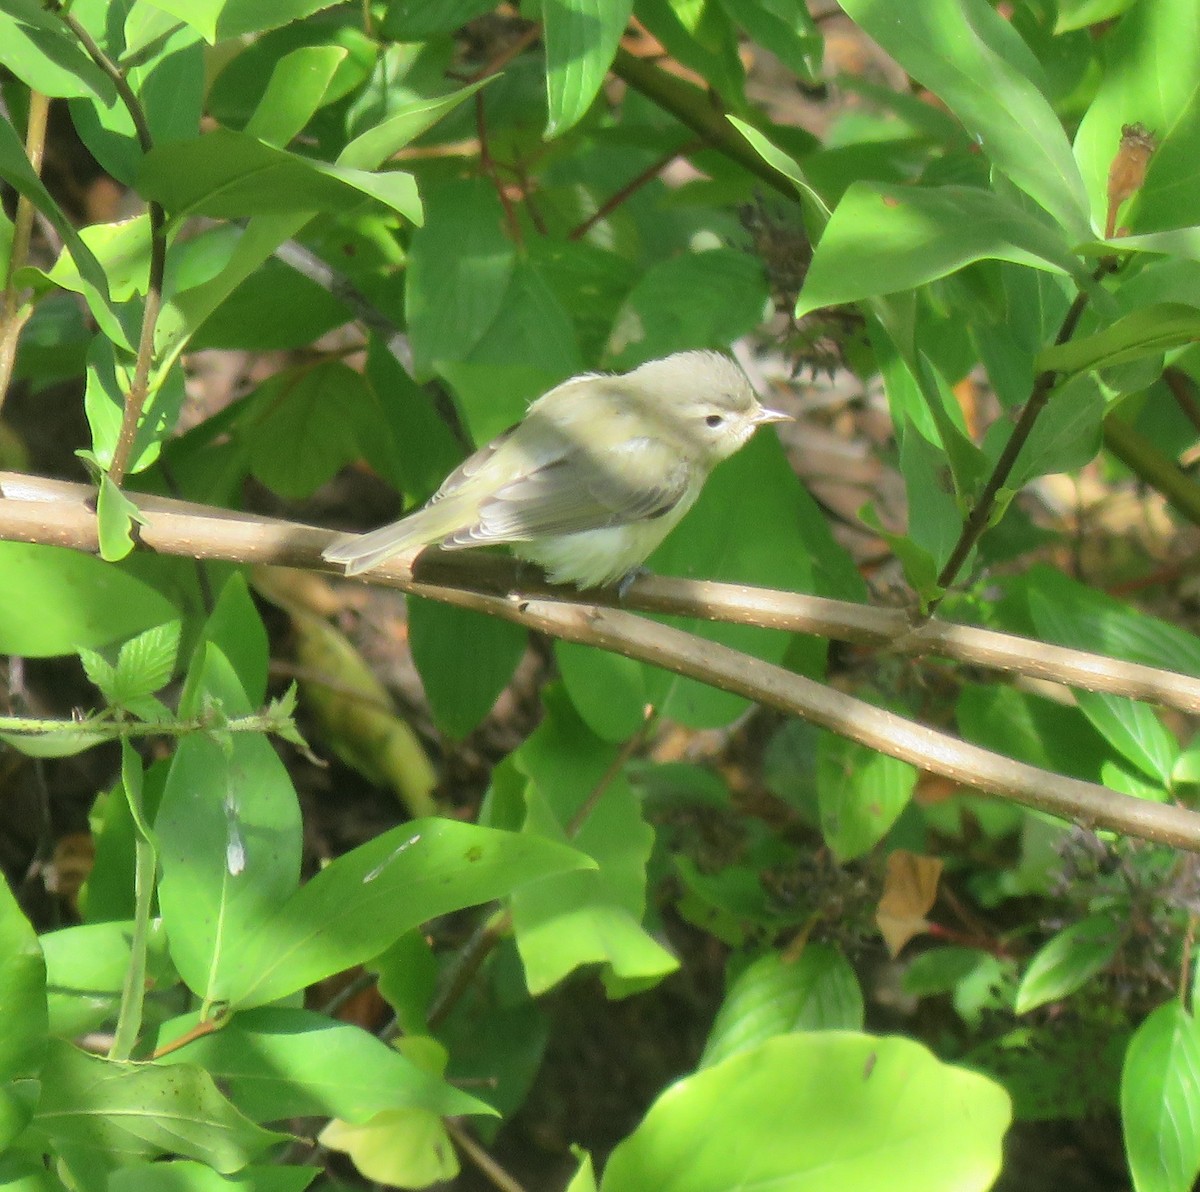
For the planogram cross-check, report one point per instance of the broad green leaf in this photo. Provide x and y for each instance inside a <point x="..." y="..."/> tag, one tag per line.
<point x="237" y="630"/>
<point x="575" y="919"/>
<point x="1068" y="961"/>
<point x="1067" y="434"/>
<point x="416" y="20"/>
<point x="860" y="794"/>
<point x="1160" y="1107"/>
<point x="222" y="20"/>
<point x="146" y="663"/>
<point x="1149" y="331"/>
<point x="977" y="981"/>
<point x="607" y="689"/>
<point x="1079" y="14"/>
<point x="22" y="993"/>
<point x="296" y="89"/>
<point x="301" y="429"/>
<point x="830" y="1110"/>
<point x="400" y="1148"/>
<point x="169" y="83"/>
<point x="105" y="1113"/>
<point x="123" y="251"/>
<point x="39" y="50"/>
<point x="670" y="308"/>
<point x="1148" y="75"/>
<point x="581" y="38"/>
<point x="183" y="1175"/>
<point x="777" y="994"/>
<point x="185" y="311"/>
<point x="19" y="174"/>
<point x="885" y="239"/>
<point x="229" y="840"/>
<point x="116" y="516"/>
<point x="784" y="28"/>
<point x="280" y="1062"/>
<point x="815" y="207"/>
<point x="1134" y="730"/>
<point x="229" y="175"/>
<point x="370" y="149"/>
<point x="584" y="1179"/>
<point x="361" y="903"/>
<point x="972" y="59"/>
<point x="465" y="660"/>
<point x="43" y="615"/>
<point x="459" y="267"/>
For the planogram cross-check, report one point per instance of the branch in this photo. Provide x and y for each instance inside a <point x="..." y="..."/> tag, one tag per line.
<point x="176" y="528"/>
<point x="23" y="517"/>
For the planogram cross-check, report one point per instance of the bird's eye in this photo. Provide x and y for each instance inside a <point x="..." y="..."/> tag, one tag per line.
<point x="714" y="420"/>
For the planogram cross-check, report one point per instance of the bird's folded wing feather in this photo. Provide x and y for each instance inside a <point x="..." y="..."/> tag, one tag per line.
<point x="574" y="492"/>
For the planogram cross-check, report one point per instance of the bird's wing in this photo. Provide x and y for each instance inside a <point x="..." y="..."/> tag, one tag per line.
<point x="576" y="491"/>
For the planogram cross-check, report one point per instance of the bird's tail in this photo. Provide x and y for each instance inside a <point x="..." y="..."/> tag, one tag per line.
<point x="361" y="552"/>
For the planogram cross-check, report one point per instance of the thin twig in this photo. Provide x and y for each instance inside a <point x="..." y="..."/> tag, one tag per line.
<point x="135" y="398"/>
<point x="1043" y="385"/>
<point x="486" y="1164"/>
<point x="651" y="172"/>
<point x="488" y="166"/>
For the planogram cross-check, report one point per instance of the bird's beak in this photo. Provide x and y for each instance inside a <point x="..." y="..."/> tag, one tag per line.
<point x="766" y="415"/>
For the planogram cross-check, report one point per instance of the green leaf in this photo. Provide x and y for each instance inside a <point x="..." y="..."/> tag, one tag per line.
<point x="37" y="47"/>
<point x="1072" y="614"/>
<point x="169" y="84"/>
<point x="229" y="175"/>
<point x="1160" y="1108"/>
<point x="459" y="267"/>
<point x="860" y="794"/>
<point x="465" y="659"/>
<point x="1148" y="331"/>
<point x="1068" y="433"/>
<point x="372" y="148"/>
<point x="280" y="1062"/>
<point x="777" y="995"/>
<point x="581" y="38"/>
<point x="832" y="1110"/>
<point x="608" y="690"/>
<point x="594" y="917"/>
<point x="302" y="428"/>
<point x="359" y="904"/>
<point x="297" y="87"/>
<point x="103" y="1113"/>
<point x="401" y="1148"/>
<point x="417" y="20"/>
<point x="181" y="1175"/>
<point x="22" y="993"/>
<point x="1134" y="730"/>
<point x="885" y="239"/>
<point x="1150" y="66"/>
<point x="229" y="845"/>
<point x="17" y="172"/>
<point x="972" y="59"/>
<point x="85" y="973"/>
<point x="698" y="34"/>
<point x="1079" y="14"/>
<point x="223" y="20"/>
<point x="1068" y="961"/>
<point x="116" y="516"/>
<point x="43" y="614"/>
<point x="146" y="663"/>
<point x="670" y="308"/>
<point x="786" y="29"/>
<point x="815" y="208"/>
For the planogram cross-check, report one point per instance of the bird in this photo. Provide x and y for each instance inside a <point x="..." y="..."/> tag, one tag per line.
<point x="598" y="472"/>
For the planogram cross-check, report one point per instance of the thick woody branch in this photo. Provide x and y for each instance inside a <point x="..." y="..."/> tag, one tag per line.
<point x="55" y="513"/>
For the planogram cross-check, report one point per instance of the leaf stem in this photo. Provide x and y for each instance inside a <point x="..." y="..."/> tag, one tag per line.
<point x="135" y="398"/>
<point x="14" y="316"/>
